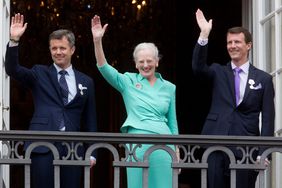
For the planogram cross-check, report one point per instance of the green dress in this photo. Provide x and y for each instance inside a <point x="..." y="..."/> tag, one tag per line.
<point x="150" y="110"/>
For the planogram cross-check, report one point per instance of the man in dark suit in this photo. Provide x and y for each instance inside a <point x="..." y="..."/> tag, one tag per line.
<point x="69" y="106"/>
<point x="237" y="100"/>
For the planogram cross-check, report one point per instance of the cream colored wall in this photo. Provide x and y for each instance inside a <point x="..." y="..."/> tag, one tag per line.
<point x="267" y="55"/>
<point x="4" y="86"/>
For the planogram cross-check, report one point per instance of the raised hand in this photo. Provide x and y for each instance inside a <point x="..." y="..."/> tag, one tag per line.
<point x="97" y="29"/>
<point x="203" y="24"/>
<point x="18" y="27"/>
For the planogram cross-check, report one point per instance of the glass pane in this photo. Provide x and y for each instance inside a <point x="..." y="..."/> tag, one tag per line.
<point x="279" y="63"/>
<point x="269" y="6"/>
<point x="269" y="37"/>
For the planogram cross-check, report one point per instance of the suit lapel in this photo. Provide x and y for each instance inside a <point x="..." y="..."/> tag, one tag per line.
<point x="54" y="79"/>
<point x="231" y="84"/>
<point x="78" y="80"/>
<point x="252" y="75"/>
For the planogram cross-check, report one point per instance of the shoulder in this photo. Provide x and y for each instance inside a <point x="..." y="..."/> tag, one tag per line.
<point x="166" y="82"/>
<point x="169" y="84"/>
<point x="261" y="72"/>
<point x="131" y="75"/>
<point x="83" y="75"/>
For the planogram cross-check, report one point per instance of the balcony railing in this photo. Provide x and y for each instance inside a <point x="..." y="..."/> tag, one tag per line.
<point x="122" y="148"/>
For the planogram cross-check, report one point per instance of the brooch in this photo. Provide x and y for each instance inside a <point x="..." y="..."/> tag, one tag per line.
<point x="81" y="88"/>
<point x="252" y="83"/>
<point x="138" y="86"/>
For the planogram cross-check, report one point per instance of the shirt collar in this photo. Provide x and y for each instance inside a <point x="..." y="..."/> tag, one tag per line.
<point x="158" y="75"/>
<point x="69" y="69"/>
<point x="244" y="67"/>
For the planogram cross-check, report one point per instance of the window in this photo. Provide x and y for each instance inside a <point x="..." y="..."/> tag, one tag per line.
<point x="267" y="27"/>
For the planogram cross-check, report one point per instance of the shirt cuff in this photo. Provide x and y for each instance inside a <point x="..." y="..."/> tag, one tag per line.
<point x="13" y="43"/>
<point x="258" y="158"/>
<point x="203" y="42"/>
<point x="63" y="129"/>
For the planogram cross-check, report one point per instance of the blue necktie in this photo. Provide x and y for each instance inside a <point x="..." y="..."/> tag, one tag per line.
<point x="64" y="92"/>
<point x="64" y="86"/>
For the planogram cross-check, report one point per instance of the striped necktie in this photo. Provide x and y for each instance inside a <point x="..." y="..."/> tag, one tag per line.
<point x="64" y="86"/>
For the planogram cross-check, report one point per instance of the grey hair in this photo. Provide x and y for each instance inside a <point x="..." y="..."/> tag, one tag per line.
<point x="146" y="45"/>
<point x="59" y="34"/>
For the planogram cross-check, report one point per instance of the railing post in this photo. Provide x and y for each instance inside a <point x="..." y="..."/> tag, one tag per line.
<point x="27" y="175"/>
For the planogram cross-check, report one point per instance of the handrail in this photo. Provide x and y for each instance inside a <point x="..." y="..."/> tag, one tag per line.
<point x="117" y="143"/>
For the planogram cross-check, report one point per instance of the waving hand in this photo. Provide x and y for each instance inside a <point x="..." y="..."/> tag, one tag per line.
<point x="204" y="25"/>
<point x="18" y="27"/>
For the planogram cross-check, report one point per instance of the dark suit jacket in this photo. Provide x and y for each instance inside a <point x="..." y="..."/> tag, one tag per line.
<point x="79" y="114"/>
<point x="224" y="117"/>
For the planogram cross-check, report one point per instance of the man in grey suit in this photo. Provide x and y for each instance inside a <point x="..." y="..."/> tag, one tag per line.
<point x="62" y="102"/>
<point x="240" y="93"/>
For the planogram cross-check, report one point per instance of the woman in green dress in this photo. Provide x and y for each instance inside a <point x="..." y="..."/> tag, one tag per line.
<point x="150" y="105"/>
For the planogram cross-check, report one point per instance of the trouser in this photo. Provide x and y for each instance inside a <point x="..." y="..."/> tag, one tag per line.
<point x="219" y="173"/>
<point x="42" y="172"/>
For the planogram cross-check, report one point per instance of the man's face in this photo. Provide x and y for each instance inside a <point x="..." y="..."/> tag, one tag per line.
<point x="237" y="48"/>
<point x="61" y="52"/>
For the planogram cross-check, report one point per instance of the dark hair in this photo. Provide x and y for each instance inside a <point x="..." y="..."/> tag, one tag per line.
<point x="59" y="34"/>
<point x="237" y="30"/>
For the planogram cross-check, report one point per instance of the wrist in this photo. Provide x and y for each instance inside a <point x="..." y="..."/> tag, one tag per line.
<point x="14" y="40"/>
<point x="204" y="35"/>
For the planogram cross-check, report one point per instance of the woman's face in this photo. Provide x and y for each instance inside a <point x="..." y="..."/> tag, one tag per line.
<point x="146" y="63"/>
